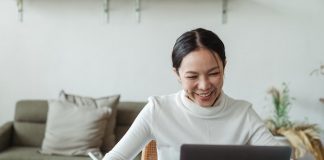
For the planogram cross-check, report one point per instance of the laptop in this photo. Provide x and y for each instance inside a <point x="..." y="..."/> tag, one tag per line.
<point x="234" y="152"/>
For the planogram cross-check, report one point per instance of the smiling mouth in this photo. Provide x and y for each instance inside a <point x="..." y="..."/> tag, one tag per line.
<point x="205" y="95"/>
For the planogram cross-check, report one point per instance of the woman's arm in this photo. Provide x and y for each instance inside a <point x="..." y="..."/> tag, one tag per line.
<point x="259" y="133"/>
<point x="137" y="136"/>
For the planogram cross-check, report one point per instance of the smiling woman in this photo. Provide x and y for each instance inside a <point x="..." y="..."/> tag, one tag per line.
<point x="199" y="65"/>
<point x="200" y="113"/>
<point x="201" y="76"/>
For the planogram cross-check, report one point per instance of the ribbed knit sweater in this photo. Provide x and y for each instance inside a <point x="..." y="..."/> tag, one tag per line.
<point x="173" y="120"/>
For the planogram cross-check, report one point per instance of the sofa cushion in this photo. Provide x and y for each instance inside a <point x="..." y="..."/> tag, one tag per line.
<point x="110" y="102"/>
<point x="31" y="111"/>
<point x="128" y="111"/>
<point x="28" y="134"/>
<point x="73" y="129"/>
<point x="31" y="153"/>
<point x="126" y="114"/>
<point x="29" y="124"/>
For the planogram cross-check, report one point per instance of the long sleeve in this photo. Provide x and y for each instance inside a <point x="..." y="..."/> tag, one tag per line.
<point x="173" y="120"/>
<point x="135" y="138"/>
<point x="260" y="135"/>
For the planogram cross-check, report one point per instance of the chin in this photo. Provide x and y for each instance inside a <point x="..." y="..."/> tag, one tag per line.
<point x="205" y="104"/>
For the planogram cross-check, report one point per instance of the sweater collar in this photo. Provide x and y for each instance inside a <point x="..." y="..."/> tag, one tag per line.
<point x="203" y="112"/>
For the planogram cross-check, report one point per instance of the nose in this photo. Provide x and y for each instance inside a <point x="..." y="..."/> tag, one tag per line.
<point x="204" y="83"/>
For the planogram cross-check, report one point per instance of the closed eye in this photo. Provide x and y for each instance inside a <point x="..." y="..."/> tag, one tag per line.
<point x="191" y="77"/>
<point x="214" y="73"/>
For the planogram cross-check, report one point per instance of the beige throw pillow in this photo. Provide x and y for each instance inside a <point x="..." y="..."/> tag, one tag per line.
<point x="111" y="102"/>
<point x="73" y="129"/>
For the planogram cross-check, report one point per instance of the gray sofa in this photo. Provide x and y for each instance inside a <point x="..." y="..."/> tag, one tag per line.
<point x="22" y="138"/>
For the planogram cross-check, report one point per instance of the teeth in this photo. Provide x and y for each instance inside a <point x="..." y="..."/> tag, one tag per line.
<point x="204" y="94"/>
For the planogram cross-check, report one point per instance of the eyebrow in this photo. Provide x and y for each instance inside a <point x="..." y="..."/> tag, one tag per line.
<point x="193" y="72"/>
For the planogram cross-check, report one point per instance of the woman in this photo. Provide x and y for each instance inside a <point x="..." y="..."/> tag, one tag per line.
<point x="199" y="114"/>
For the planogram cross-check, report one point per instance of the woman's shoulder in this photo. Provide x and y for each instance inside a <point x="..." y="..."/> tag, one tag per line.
<point x="238" y="103"/>
<point x="164" y="101"/>
<point x="161" y="99"/>
<point x="242" y="106"/>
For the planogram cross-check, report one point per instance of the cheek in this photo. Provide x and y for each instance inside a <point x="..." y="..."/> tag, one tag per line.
<point x="217" y="81"/>
<point x="188" y="85"/>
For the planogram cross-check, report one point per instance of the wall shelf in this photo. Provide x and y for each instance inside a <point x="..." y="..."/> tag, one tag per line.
<point x="20" y="7"/>
<point x="137" y="9"/>
<point x="106" y="9"/>
<point x="224" y="11"/>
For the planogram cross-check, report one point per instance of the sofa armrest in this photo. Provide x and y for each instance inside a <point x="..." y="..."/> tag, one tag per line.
<point x="5" y="135"/>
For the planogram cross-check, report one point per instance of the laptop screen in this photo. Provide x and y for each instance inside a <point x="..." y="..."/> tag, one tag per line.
<point x="234" y="152"/>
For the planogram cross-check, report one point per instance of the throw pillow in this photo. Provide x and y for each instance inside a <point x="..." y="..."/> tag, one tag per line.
<point x="74" y="129"/>
<point x="111" y="102"/>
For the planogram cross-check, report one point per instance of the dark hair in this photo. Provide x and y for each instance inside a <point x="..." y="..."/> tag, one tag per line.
<point x="196" y="39"/>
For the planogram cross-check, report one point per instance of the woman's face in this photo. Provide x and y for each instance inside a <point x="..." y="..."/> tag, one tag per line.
<point x="201" y="76"/>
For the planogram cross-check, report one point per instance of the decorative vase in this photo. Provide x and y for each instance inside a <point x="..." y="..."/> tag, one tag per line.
<point x="282" y="140"/>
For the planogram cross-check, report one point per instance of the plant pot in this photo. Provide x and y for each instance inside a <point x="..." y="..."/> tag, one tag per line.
<point x="282" y="140"/>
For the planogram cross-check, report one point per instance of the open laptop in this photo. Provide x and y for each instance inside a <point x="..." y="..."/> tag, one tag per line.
<point x="234" y="152"/>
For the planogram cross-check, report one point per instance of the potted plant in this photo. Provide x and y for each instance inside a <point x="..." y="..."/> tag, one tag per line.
<point x="302" y="137"/>
<point x="281" y="102"/>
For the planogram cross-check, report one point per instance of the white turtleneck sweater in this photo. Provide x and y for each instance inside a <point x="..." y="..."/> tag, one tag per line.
<point x="174" y="120"/>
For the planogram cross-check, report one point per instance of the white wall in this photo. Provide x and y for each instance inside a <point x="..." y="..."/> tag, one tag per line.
<point x="66" y="44"/>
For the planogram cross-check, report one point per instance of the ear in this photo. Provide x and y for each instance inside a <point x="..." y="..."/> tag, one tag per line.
<point x="225" y="62"/>
<point x="177" y="74"/>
